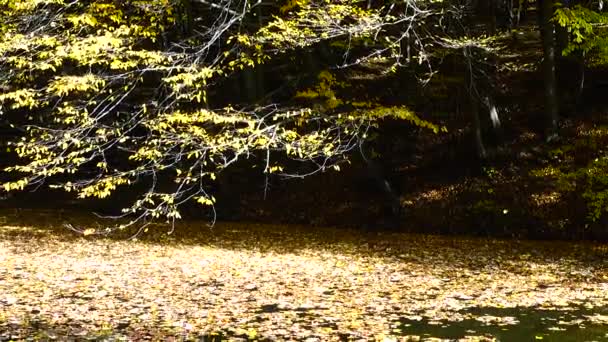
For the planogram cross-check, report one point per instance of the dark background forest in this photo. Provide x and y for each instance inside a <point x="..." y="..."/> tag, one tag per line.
<point x="509" y="101"/>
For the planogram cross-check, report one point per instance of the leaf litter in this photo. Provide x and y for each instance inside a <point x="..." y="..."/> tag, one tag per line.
<point x="251" y="281"/>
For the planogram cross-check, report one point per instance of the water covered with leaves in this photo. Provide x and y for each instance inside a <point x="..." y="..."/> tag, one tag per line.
<point x="272" y="282"/>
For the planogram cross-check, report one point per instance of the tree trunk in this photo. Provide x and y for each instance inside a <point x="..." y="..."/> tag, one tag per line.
<point x="260" y="82"/>
<point x="374" y="171"/>
<point x="561" y="35"/>
<point x="479" y="145"/>
<point x="250" y="85"/>
<point x="492" y="17"/>
<point x="253" y="77"/>
<point x="522" y="10"/>
<point x="548" y="36"/>
<point x="474" y="106"/>
<point x="187" y="17"/>
<point x="494" y="118"/>
<point x="581" y="81"/>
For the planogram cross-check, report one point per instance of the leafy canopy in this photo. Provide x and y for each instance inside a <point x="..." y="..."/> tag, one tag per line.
<point x="113" y="93"/>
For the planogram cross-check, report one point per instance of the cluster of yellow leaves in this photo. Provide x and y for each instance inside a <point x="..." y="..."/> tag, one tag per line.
<point x="64" y="85"/>
<point x="316" y="21"/>
<point x="208" y="201"/>
<point x="22" y="98"/>
<point x="109" y="40"/>
<point x="324" y="91"/>
<point x="16" y="185"/>
<point x="201" y="116"/>
<point x="157" y="204"/>
<point x="366" y="110"/>
<point x="291" y="4"/>
<point x="12" y="42"/>
<point x="191" y="83"/>
<point x="103" y="187"/>
<point x="403" y="113"/>
<point x="24" y="6"/>
<point x="44" y="161"/>
<point x="69" y="114"/>
<point x="103" y="37"/>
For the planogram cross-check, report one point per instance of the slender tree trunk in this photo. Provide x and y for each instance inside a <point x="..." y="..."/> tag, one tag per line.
<point x="561" y="35"/>
<point x="548" y="35"/>
<point x="581" y="81"/>
<point x="479" y="145"/>
<point x="253" y="77"/>
<point x="474" y="106"/>
<point x="405" y="46"/>
<point x="259" y="69"/>
<point x="187" y="19"/>
<point x="522" y="9"/>
<point x="492" y="17"/>
<point x="250" y="84"/>
<point x="374" y="170"/>
<point x="488" y="100"/>
<point x="494" y="117"/>
<point x="512" y="12"/>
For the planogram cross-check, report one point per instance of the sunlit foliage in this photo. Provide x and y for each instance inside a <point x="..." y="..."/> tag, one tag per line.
<point x="113" y="93"/>
<point x="586" y="27"/>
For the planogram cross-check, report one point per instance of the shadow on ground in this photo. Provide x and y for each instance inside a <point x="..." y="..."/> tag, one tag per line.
<point x="518" y="324"/>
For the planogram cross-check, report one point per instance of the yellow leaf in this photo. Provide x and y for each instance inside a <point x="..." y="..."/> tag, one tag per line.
<point x="252" y="333"/>
<point x="88" y="232"/>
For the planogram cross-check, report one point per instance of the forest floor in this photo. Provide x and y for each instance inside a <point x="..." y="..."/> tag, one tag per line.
<point x="244" y="281"/>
